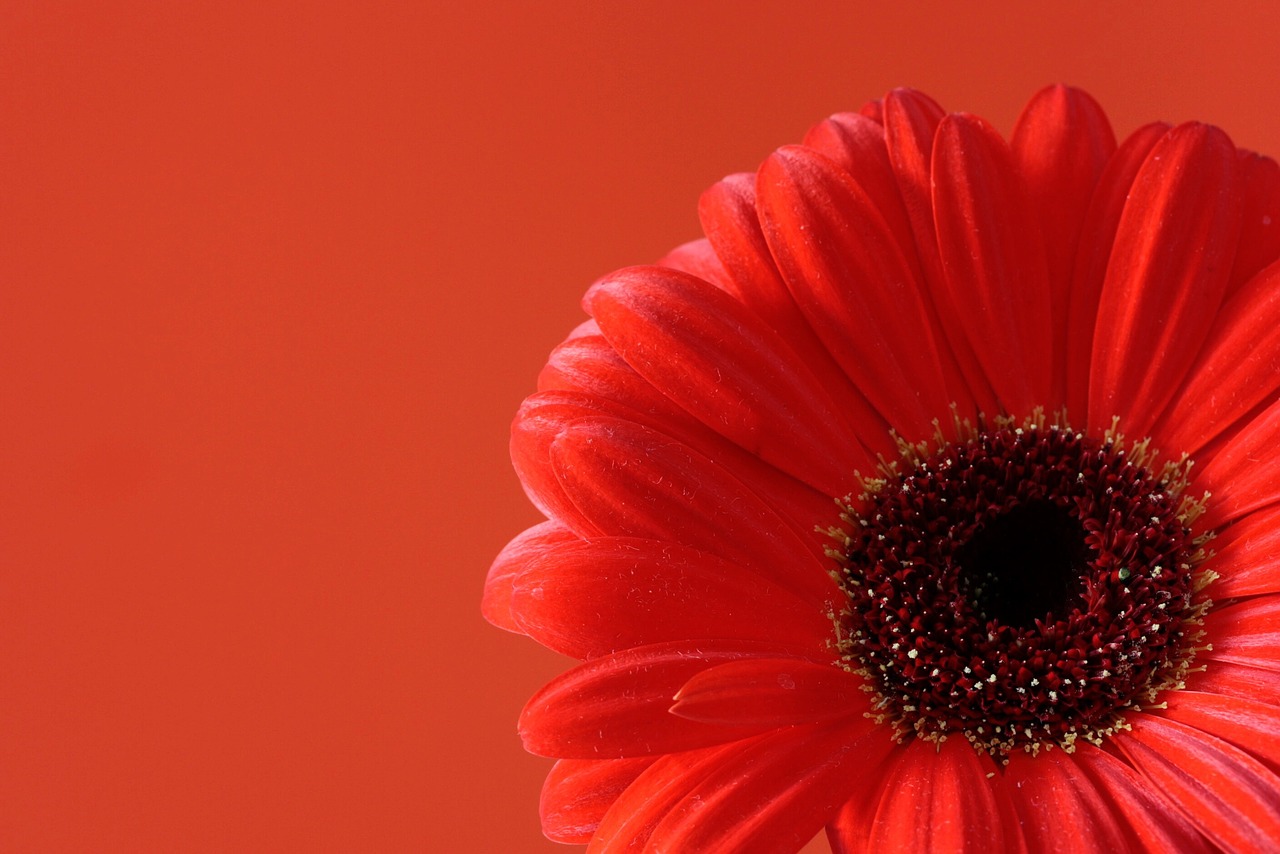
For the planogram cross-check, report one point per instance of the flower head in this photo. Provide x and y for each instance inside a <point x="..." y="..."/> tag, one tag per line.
<point x="932" y="498"/>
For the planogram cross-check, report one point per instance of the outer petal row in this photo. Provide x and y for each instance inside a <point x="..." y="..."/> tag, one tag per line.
<point x="1238" y="368"/>
<point x="910" y="122"/>
<point x="936" y="798"/>
<point x="731" y="221"/>
<point x="1166" y="277"/>
<point x="629" y="481"/>
<point x="578" y="793"/>
<point x="545" y="416"/>
<point x="1062" y="143"/>
<point x="727" y="367"/>
<point x="847" y="270"/>
<point x="777" y="793"/>
<point x="592" y="598"/>
<point x="993" y="261"/>
<point x="1227" y="794"/>
<point x="618" y="706"/>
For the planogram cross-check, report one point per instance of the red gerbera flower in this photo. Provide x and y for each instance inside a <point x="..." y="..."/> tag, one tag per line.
<point x="844" y="525"/>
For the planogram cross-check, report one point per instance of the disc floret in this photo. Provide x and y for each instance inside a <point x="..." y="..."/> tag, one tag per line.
<point x="1020" y="584"/>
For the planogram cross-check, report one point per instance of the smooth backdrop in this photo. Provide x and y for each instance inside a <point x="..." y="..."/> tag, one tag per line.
<point x="274" y="278"/>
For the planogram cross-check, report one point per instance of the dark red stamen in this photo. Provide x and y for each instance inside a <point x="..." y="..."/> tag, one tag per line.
<point x="1022" y="588"/>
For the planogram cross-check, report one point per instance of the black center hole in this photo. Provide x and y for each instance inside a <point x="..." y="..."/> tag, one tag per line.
<point x="1025" y="564"/>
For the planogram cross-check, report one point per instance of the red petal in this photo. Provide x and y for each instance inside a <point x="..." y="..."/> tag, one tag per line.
<point x="634" y="482"/>
<point x="617" y="706"/>
<point x="1154" y="824"/>
<point x="1252" y="726"/>
<point x="728" y="368"/>
<point x="728" y="214"/>
<point x="910" y="122"/>
<point x="994" y="261"/>
<point x="1260" y="229"/>
<point x="698" y="259"/>
<point x="1062" y="810"/>
<point x="495" y="604"/>
<point x="545" y="415"/>
<point x="548" y="414"/>
<point x="578" y="792"/>
<point x="1235" y="680"/>
<point x="1247" y="557"/>
<point x="1238" y="368"/>
<point x="1166" y="278"/>
<point x="587" y="363"/>
<point x="770" y="692"/>
<point x="1224" y="792"/>
<point x="848" y="274"/>
<point x="1096" y="238"/>
<point x="1061" y="144"/>
<point x="534" y="430"/>
<point x="1244" y="475"/>
<point x="628" y="824"/>
<point x="938" y="798"/>
<point x="592" y="598"/>
<point x="779" y="792"/>
<point x="1246" y="633"/>
<point x="856" y="144"/>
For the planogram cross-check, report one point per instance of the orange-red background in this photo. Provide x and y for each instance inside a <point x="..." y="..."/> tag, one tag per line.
<point x="273" y="280"/>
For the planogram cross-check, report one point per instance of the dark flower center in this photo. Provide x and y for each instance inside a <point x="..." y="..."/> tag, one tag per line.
<point x="1025" y="564"/>
<point x="1022" y="587"/>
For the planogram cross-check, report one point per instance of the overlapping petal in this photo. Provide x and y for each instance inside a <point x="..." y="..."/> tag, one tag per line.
<point x="938" y="798"/>
<point x="617" y="706"/>
<point x="996" y="275"/>
<point x="1237" y="369"/>
<point x="590" y="598"/>
<point x="1260" y="218"/>
<point x="1251" y="726"/>
<point x="1238" y="680"/>
<point x="1246" y="633"/>
<point x="1244" y="476"/>
<point x="1061" y="810"/>
<point x="770" y="692"/>
<point x="729" y="217"/>
<point x="544" y="416"/>
<point x="850" y="277"/>
<point x="777" y="793"/>
<point x="630" y="481"/>
<point x="1154" y="824"/>
<point x="511" y="561"/>
<point x="910" y="123"/>
<point x="1097" y="236"/>
<point x="1167" y="275"/>
<point x="1247" y="556"/>
<point x="578" y="792"/>
<point x="730" y="369"/>
<point x="856" y="143"/>
<point x="1227" y="794"/>
<point x="630" y="822"/>
<point x="1061" y="145"/>
<point x="698" y="259"/>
